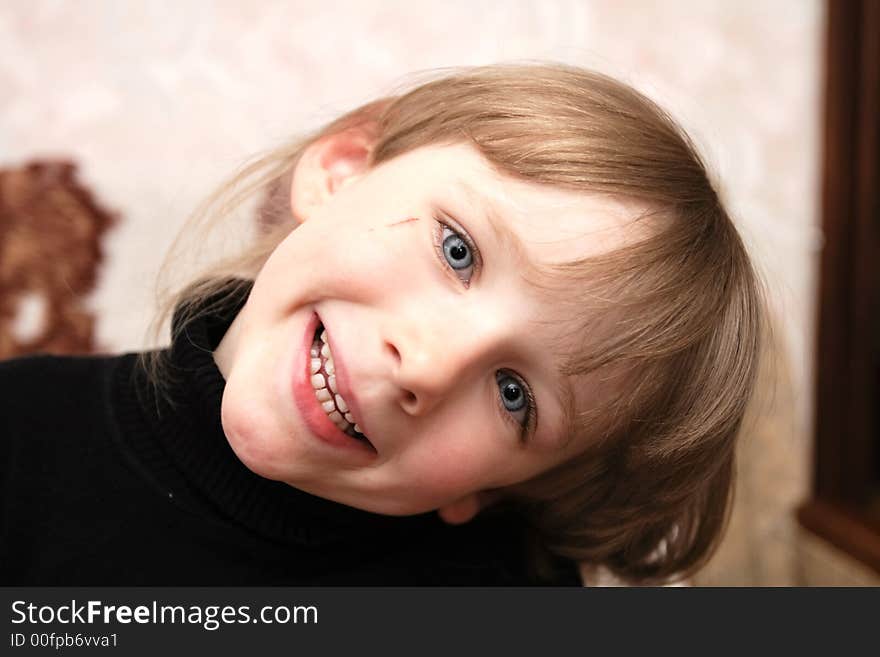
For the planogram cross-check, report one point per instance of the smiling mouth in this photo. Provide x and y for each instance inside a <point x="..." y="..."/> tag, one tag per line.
<point x="322" y="371"/>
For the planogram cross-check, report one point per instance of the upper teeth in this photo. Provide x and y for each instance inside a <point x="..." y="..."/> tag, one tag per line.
<point x="331" y="401"/>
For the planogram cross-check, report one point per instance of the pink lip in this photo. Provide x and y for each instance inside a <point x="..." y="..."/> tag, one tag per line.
<point x="304" y="397"/>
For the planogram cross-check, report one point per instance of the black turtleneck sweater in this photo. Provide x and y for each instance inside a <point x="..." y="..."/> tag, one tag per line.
<point x="103" y="483"/>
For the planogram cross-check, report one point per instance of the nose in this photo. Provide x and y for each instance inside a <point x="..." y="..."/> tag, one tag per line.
<point x="433" y="355"/>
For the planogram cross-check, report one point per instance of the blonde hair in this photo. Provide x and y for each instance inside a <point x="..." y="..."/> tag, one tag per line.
<point x="650" y="496"/>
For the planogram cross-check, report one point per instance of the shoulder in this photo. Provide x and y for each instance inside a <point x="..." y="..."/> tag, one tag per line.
<point x="46" y="390"/>
<point x="27" y="367"/>
<point x="42" y="371"/>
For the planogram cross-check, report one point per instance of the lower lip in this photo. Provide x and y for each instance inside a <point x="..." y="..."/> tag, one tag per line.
<point x="304" y="396"/>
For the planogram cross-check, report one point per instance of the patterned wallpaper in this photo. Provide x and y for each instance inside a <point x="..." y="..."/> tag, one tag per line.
<point x="157" y="101"/>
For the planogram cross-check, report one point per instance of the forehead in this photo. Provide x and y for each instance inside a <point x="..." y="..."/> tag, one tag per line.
<point x="545" y="225"/>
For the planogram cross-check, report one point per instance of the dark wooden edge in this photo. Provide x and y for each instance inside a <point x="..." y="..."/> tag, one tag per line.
<point x="865" y="266"/>
<point x="845" y="418"/>
<point x="856" y="534"/>
<point x="834" y="349"/>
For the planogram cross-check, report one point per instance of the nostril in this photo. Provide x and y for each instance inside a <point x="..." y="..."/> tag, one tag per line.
<point x="408" y="401"/>
<point x="393" y="351"/>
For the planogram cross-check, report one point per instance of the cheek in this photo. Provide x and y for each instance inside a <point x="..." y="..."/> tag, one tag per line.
<point x="252" y="429"/>
<point x="349" y="260"/>
<point x="241" y="424"/>
<point x="445" y="469"/>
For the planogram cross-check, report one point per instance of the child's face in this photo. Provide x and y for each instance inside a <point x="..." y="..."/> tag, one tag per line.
<point x="435" y="349"/>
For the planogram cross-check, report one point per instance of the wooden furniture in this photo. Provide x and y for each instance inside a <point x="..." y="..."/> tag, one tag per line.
<point x="845" y="507"/>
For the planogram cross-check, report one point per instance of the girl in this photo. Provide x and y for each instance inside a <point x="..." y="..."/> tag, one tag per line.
<point x="513" y="330"/>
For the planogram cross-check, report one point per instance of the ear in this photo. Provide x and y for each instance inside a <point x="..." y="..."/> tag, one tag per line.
<point x="328" y="164"/>
<point x="465" y="508"/>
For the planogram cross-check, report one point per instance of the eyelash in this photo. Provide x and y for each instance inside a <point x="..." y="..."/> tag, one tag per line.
<point x="531" y="407"/>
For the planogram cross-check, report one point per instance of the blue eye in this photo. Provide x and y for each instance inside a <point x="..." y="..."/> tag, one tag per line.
<point x="457" y="251"/>
<point x="512" y="395"/>
<point x="516" y="398"/>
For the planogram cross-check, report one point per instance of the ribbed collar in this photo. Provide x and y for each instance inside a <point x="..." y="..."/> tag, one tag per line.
<point x="188" y="438"/>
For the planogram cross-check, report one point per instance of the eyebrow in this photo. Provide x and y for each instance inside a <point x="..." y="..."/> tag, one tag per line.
<point x="562" y="390"/>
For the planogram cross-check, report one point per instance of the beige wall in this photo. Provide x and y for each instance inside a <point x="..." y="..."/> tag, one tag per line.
<point x="157" y="100"/>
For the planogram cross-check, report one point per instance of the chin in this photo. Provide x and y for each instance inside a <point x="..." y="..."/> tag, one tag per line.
<point x="249" y="434"/>
<point x="390" y="507"/>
